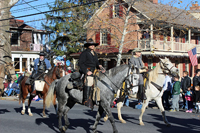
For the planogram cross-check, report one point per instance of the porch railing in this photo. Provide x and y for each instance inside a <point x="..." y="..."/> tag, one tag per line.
<point x="161" y="45"/>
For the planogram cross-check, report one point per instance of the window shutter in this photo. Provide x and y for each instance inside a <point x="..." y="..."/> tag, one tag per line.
<point x="190" y="69"/>
<point x="120" y="11"/>
<point x="109" y="37"/>
<point x="97" y="37"/>
<point x="111" y="11"/>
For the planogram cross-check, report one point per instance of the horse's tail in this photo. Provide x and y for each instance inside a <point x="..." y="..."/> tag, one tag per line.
<point x="50" y="94"/>
<point x="20" y="87"/>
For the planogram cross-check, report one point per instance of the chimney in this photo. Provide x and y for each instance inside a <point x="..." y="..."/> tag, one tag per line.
<point x="195" y="6"/>
<point x="154" y="1"/>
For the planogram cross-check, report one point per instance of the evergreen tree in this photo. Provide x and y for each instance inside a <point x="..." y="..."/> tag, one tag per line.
<point x="67" y="25"/>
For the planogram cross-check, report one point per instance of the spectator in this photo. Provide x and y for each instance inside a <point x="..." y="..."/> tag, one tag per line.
<point x="26" y="73"/>
<point x="126" y="101"/>
<point x="185" y="84"/>
<point x="196" y="84"/>
<point x="19" y="77"/>
<point x="11" y="88"/>
<point x="5" y="85"/>
<point x="167" y="90"/>
<point x="175" y="94"/>
<point x="189" y="98"/>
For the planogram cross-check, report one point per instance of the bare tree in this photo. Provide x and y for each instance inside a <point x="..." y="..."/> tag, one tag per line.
<point x="5" y="50"/>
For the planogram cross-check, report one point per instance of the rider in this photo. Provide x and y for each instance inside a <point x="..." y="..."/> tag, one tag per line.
<point x="136" y="60"/>
<point x="41" y="64"/>
<point x="88" y="61"/>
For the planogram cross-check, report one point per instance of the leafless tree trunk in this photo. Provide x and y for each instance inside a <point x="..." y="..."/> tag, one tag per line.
<point x="5" y="51"/>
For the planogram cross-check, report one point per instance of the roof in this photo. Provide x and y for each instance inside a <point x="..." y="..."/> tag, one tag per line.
<point x="158" y="12"/>
<point x="166" y="13"/>
<point x="106" y="49"/>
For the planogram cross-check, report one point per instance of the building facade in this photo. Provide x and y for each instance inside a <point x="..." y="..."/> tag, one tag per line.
<point x="26" y="43"/>
<point x="159" y="30"/>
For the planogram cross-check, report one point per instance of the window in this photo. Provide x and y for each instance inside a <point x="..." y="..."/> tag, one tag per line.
<point x="103" y="37"/>
<point x="150" y="63"/>
<point x="116" y="10"/>
<point x="15" y="38"/>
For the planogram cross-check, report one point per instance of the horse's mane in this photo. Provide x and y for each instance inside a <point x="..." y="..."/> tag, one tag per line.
<point x="153" y="74"/>
<point x="113" y="71"/>
<point x="49" y="74"/>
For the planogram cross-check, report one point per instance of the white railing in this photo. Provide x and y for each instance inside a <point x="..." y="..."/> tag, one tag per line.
<point x="166" y="46"/>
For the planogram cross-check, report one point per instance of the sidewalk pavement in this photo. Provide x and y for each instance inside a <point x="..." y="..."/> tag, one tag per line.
<point x="10" y="98"/>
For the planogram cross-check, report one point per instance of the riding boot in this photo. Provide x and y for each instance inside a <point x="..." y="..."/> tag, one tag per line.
<point x="141" y="93"/>
<point x="87" y="90"/>
<point x="33" y="88"/>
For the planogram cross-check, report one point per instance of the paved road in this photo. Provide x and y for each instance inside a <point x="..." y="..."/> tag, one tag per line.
<point x="80" y="117"/>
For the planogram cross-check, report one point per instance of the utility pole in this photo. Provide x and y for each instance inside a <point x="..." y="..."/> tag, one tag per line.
<point x="5" y="50"/>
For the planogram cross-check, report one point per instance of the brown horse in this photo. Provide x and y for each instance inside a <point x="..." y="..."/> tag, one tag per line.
<point x="53" y="74"/>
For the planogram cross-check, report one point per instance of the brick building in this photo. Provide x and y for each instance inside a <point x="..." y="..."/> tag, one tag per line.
<point x="26" y="43"/>
<point x="172" y="32"/>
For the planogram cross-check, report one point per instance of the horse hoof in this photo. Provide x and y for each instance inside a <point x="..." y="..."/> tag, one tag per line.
<point x="44" y="116"/>
<point x="30" y="114"/>
<point x="123" y="121"/>
<point x="95" y="131"/>
<point x="22" y="112"/>
<point x="93" y="128"/>
<point x="64" y="129"/>
<point x="141" y="124"/>
<point x="105" y="119"/>
<point x="168" y="125"/>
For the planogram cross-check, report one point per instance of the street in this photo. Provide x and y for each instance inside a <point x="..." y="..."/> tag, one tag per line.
<point x="80" y="117"/>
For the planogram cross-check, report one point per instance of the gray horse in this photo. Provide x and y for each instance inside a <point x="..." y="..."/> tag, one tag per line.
<point x="108" y="82"/>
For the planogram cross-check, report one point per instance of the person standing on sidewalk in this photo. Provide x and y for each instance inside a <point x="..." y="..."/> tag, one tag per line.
<point x="185" y="84"/>
<point x="175" y="94"/>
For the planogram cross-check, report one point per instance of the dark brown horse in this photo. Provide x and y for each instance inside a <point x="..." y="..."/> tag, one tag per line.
<point x="53" y="74"/>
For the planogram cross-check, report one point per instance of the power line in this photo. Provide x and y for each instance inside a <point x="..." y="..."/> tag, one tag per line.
<point x="52" y="10"/>
<point x="18" y="4"/>
<point x="31" y="6"/>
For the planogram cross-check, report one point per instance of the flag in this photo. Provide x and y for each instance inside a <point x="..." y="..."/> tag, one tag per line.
<point x="193" y="56"/>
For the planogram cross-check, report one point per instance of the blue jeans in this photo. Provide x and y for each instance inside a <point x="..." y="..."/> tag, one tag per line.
<point x="185" y="102"/>
<point x="9" y="91"/>
<point x="126" y="101"/>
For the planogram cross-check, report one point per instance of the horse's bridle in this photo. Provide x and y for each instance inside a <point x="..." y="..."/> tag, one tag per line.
<point x="165" y="68"/>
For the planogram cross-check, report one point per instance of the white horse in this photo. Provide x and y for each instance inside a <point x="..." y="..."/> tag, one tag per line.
<point x="154" y="89"/>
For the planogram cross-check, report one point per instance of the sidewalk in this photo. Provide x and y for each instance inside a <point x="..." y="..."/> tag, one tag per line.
<point x="11" y="98"/>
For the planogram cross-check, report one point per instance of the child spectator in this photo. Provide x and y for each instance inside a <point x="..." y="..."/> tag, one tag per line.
<point x="189" y="98"/>
<point x="175" y="94"/>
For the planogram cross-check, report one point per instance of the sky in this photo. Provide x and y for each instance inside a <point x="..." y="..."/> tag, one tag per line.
<point x="37" y="6"/>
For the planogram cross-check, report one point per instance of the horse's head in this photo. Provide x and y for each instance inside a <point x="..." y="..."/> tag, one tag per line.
<point x="168" y="67"/>
<point x="10" y="70"/>
<point x="59" y="71"/>
<point x="132" y="71"/>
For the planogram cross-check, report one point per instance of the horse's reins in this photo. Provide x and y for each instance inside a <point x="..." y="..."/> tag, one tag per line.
<point x="111" y="81"/>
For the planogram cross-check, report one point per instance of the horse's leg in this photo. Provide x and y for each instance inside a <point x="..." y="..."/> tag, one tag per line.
<point x="24" y="95"/>
<point x="29" y="103"/>
<point x="162" y="110"/>
<point x="107" y="109"/>
<point x="98" y="117"/>
<point x="145" y="103"/>
<point x="43" y="112"/>
<point x="119" y="106"/>
<point x="67" y="108"/>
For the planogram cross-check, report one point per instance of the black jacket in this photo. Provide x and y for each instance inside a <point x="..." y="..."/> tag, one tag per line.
<point x="196" y="81"/>
<point x="88" y="60"/>
<point x="185" y="84"/>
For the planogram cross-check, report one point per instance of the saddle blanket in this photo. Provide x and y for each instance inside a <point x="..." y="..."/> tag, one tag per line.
<point x="39" y="85"/>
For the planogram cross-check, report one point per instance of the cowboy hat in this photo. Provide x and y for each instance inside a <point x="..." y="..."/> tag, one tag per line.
<point x="136" y="50"/>
<point x="90" y="42"/>
<point x="42" y="53"/>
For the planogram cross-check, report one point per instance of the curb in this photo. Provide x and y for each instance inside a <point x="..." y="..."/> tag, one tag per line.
<point x="10" y="98"/>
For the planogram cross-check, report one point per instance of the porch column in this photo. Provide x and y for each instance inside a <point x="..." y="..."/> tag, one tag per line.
<point x="20" y="63"/>
<point x="151" y="36"/>
<point x="172" y="38"/>
<point x="28" y="64"/>
<point x="189" y="36"/>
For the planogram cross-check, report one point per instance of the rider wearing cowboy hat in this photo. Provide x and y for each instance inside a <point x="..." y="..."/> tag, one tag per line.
<point x="88" y="61"/>
<point x="41" y="64"/>
<point x="136" y="60"/>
